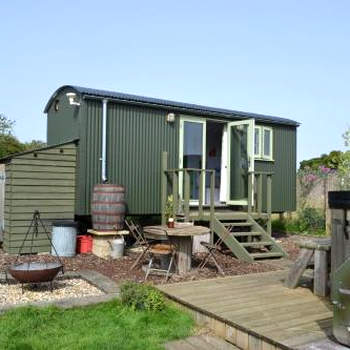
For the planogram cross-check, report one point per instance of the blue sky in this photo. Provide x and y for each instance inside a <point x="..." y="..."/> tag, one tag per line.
<point x="284" y="58"/>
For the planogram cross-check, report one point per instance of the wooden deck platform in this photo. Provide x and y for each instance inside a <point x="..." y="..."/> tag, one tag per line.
<point x="256" y="311"/>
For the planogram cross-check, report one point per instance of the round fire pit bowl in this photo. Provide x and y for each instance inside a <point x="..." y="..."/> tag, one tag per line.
<point x="35" y="272"/>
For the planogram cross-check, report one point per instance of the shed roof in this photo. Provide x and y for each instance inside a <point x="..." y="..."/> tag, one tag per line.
<point x="8" y="158"/>
<point x="170" y="105"/>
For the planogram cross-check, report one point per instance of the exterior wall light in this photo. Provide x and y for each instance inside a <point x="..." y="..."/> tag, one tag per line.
<point x="170" y="118"/>
<point x="72" y="98"/>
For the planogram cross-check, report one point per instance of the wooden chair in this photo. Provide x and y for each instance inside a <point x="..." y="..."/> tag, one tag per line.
<point x="159" y="251"/>
<point x="140" y="241"/>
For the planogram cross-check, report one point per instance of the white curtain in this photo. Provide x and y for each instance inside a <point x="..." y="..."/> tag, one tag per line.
<point x="224" y="156"/>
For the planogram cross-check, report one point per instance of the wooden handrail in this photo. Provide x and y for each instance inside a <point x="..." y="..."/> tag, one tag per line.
<point x="173" y="176"/>
<point x="189" y="169"/>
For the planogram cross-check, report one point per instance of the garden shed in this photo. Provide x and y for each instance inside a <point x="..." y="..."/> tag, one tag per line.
<point x="43" y="180"/>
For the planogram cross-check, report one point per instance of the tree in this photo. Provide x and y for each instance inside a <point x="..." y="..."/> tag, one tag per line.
<point x="34" y="144"/>
<point x="9" y="145"/>
<point x="331" y="160"/>
<point x="6" y="125"/>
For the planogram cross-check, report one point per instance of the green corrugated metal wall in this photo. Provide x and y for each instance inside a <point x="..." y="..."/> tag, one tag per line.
<point x="136" y="137"/>
<point x="63" y="124"/>
<point x="283" y="167"/>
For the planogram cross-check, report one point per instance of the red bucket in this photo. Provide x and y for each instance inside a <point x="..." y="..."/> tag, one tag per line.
<point x="84" y="244"/>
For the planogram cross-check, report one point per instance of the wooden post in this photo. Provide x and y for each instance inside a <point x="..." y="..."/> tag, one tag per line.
<point x="175" y="194"/>
<point x="212" y="205"/>
<point x="200" y="203"/>
<point x="321" y="273"/>
<point x="187" y="195"/>
<point x="250" y="191"/>
<point x="260" y="193"/>
<point x="269" y="203"/>
<point x="340" y="244"/>
<point x="164" y="167"/>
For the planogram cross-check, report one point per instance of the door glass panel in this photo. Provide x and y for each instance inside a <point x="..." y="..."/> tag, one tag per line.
<point x="257" y="142"/>
<point x="193" y="154"/>
<point x="267" y="142"/>
<point x="239" y="162"/>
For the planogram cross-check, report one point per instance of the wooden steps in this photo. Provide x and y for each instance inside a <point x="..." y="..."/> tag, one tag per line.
<point x="246" y="239"/>
<point x="246" y="234"/>
<point x="200" y="342"/>
<point x="266" y="255"/>
<point x="257" y="244"/>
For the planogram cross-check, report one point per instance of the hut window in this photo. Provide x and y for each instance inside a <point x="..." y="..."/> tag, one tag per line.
<point x="263" y="143"/>
<point x="57" y="105"/>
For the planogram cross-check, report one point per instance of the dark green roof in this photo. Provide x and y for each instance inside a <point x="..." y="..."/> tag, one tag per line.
<point x="169" y="105"/>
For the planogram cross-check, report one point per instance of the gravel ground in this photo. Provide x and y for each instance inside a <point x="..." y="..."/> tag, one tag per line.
<point x="119" y="270"/>
<point x="62" y="288"/>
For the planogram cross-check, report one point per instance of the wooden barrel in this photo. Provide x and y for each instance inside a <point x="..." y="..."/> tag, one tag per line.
<point x="108" y="207"/>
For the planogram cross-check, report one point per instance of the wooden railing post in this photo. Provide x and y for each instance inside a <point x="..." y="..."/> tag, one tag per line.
<point x="250" y="191"/>
<point x="212" y="205"/>
<point x="187" y="195"/>
<point x="164" y="194"/>
<point x="200" y="197"/>
<point x="175" y="194"/>
<point x="260" y="193"/>
<point x="269" y="202"/>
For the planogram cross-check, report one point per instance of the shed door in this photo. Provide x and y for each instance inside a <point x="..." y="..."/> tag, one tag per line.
<point x="240" y="160"/>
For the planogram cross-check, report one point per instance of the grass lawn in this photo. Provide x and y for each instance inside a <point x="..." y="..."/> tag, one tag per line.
<point x="103" y="326"/>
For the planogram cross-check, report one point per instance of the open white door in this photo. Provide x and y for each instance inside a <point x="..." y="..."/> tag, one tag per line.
<point x="240" y="160"/>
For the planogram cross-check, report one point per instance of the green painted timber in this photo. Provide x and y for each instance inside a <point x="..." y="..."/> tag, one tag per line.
<point x="231" y="242"/>
<point x="41" y="180"/>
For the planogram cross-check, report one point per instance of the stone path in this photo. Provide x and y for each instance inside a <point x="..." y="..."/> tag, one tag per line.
<point x="200" y="342"/>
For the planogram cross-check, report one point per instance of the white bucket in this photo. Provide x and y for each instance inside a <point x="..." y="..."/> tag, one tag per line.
<point x="117" y="247"/>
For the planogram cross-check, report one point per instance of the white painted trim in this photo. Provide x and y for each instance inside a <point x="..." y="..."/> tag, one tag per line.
<point x="270" y="156"/>
<point x="261" y="155"/>
<point x="250" y="151"/>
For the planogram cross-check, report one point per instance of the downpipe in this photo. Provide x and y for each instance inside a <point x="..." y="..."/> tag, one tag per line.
<point x="104" y="141"/>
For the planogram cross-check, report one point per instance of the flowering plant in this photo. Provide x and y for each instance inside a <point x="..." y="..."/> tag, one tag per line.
<point x="308" y="178"/>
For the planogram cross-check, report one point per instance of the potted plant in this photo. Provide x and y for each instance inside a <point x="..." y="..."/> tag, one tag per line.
<point x="169" y="212"/>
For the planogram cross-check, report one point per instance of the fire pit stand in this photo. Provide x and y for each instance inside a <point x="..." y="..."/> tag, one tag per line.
<point x="35" y="272"/>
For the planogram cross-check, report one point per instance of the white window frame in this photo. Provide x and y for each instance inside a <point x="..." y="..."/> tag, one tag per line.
<point x="261" y="155"/>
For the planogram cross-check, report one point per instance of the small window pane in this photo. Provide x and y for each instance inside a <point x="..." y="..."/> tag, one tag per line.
<point x="257" y="142"/>
<point x="267" y="143"/>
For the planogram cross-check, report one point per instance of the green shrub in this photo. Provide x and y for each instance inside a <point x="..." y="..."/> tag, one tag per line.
<point x="278" y="225"/>
<point x="311" y="219"/>
<point x="141" y="297"/>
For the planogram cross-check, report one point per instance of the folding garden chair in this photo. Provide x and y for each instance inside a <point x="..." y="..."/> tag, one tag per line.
<point x="140" y="241"/>
<point x="212" y="248"/>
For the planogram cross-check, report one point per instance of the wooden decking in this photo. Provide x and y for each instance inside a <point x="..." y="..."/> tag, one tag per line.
<point x="256" y="311"/>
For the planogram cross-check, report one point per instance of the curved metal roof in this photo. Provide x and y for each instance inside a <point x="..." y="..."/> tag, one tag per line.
<point x="170" y="105"/>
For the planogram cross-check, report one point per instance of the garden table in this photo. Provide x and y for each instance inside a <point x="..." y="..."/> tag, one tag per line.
<point x="181" y="236"/>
